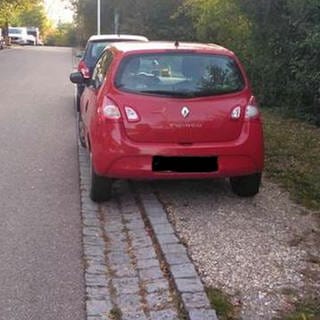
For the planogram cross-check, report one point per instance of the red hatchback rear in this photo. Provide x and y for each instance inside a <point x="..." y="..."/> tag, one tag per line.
<point x="161" y="110"/>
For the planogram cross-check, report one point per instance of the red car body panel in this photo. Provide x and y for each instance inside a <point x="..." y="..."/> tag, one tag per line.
<point x="125" y="149"/>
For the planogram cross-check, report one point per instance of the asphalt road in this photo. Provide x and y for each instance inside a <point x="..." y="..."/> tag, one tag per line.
<point x="41" y="267"/>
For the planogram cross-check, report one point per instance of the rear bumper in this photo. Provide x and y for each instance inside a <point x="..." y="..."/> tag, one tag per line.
<point x="115" y="156"/>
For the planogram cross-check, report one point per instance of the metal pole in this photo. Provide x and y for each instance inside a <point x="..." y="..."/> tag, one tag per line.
<point x="98" y="16"/>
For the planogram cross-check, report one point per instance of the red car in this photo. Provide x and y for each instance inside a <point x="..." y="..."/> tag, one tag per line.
<point x="165" y="110"/>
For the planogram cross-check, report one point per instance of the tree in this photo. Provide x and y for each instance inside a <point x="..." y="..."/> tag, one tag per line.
<point x="152" y="18"/>
<point x="10" y="8"/>
<point x="221" y="22"/>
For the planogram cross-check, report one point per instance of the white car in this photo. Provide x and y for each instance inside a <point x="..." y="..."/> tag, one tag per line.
<point x="19" y="35"/>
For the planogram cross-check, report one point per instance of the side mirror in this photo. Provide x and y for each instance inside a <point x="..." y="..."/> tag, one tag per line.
<point x="77" y="77"/>
<point x="79" y="54"/>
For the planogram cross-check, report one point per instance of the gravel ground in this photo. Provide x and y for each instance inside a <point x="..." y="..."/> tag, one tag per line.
<point x="264" y="251"/>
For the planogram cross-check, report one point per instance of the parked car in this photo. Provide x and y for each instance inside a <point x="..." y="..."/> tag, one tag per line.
<point x="19" y="35"/>
<point x="1" y="40"/>
<point x="162" y="110"/>
<point x="93" y="49"/>
<point x="34" y="34"/>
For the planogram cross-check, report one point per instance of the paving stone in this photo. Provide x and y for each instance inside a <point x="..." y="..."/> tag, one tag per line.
<point x="118" y="258"/>
<point x="118" y="247"/>
<point x="115" y="237"/>
<point x="156" y="285"/>
<point x="89" y="206"/>
<point x="167" y="239"/>
<point x="158" y="219"/>
<point x="129" y="302"/>
<point x="128" y="207"/>
<point x="150" y="273"/>
<point x="189" y="285"/>
<point x="98" y="307"/>
<point x="97" y="260"/>
<point x="141" y="242"/>
<point x="186" y="270"/>
<point x="195" y="300"/>
<point x="176" y="258"/>
<point x="124" y="270"/>
<point x="113" y="227"/>
<point x="173" y="248"/>
<point x="102" y="317"/>
<point x="98" y="293"/>
<point x="133" y="214"/>
<point x="111" y="211"/>
<point x="147" y="263"/>
<point x="91" y="231"/>
<point x="90" y="214"/>
<point x="134" y="316"/>
<point x="159" y="300"/>
<point x="154" y="210"/>
<point x="91" y="222"/>
<point x="163" y="228"/>
<point x="135" y="224"/>
<point x="96" y="280"/>
<point x="168" y="314"/>
<point x="93" y="251"/>
<point x="202" y="314"/>
<point x="126" y="285"/>
<point x="96" y="267"/>
<point x="92" y="240"/>
<point x="145" y="253"/>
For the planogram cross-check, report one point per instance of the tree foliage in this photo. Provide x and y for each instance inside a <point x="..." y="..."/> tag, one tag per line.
<point x="277" y="40"/>
<point x="153" y="18"/>
<point x="11" y="8"/>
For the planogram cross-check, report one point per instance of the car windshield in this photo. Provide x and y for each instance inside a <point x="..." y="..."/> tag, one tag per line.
<point x="15" y="31"/>
<point x="179" y="74"/>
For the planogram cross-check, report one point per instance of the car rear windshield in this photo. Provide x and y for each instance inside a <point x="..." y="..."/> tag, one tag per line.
<point x="179" y="74"/>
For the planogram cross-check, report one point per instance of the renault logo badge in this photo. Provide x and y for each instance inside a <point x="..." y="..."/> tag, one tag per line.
<point x="185" y="112"/>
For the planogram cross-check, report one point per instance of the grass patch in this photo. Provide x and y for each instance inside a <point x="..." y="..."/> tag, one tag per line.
<point x="115" y="314"/>
<point x="293" y="157"/>
<point x="306" y="310"/>
<point x="222" y="305"/>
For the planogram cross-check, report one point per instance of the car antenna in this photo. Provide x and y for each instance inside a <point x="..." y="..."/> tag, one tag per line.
<point x="176" y="44"/>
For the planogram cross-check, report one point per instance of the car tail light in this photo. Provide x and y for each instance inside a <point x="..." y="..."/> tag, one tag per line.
<point x="83" y="68"/>
<point x="252" y="111"/>
<point x="131" y="114"/>
<point x="110" y="110"/>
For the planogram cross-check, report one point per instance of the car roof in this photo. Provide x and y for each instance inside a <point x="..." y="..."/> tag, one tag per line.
<point x="121" y="37"/>
<point x="151" y="46"/>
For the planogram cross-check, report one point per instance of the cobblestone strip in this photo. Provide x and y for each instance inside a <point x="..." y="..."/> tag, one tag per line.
<point x="181" y="268"/>
<point x="123" y="276"/>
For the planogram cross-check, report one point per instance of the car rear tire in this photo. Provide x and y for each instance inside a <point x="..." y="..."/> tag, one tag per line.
<point x="101" y="187"/>
<point x="246" y="186"/>
<point x="81" y="131"/>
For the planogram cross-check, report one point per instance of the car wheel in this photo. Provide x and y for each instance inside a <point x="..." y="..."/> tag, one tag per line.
<point x="81" y="131"/>
<point x="101" y="187"/>
<point x="246" y="186"/>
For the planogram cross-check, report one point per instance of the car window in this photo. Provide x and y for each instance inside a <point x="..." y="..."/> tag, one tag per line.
<point x="94" y="50"/>
<point x="101" y="68"/>
<point x="179" y="74"/>
<point x="15" y="31"/>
